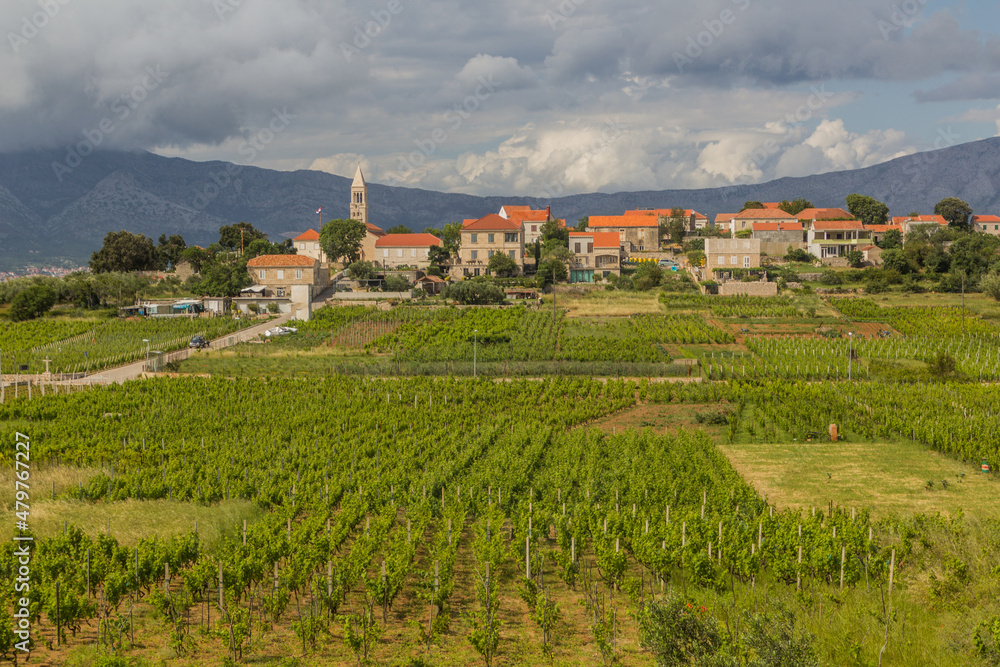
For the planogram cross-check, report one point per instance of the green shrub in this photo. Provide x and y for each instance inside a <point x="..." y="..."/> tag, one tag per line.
<point x="32" y="302"/>
<point x="831" y="277"/>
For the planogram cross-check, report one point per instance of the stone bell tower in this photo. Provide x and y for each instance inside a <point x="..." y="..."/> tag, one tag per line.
<point x="359" y="198"/>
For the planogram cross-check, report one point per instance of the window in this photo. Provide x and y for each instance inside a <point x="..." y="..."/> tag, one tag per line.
<point x="732" y="260"/>
<point x="261" y="274"/>
<point x="315" y="246"/>
<point x="474" y="238"/>
<point x="399" y="252"/>
<point x="513" y="254"/>
<point x="489" y="253"/>
<point x="576" y="248"/>
<point x="590" y="248"/>
<point x="302" y="246"/>
<point x="279" y="292"/>
<point x="298" y="274"/>
<point x="510" y="237"/>
<point x="475" y="255"/>
<point x="746" y="262"/>
<point x="385" y="252"/>
<point x="413" y="252"/>
<point x="534" y="228"/>
<point x="489" y="238"/>
<point x="281" y="274"/>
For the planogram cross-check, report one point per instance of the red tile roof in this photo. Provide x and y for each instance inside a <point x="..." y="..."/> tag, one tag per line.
<point x="777" y="226"/>
<point x="764" y="214"/>
<point x="837" y="224"/>
<point x="603" y="221"/>
<point x="268" y="261"/>
<point x="985" y="218"/>
<point x="530" y="216"/>
<point x="606" y="240"/>
<point x="376" y="231"/>
<point x="309" y="235"/>
<point x="724" y="217"/>
<point x="823" y="214"/>
<point x="883" y="228"/>
<point x="771" y="204"/>
<point x="407" y="241"/>
<point x="587" y="234"/>
<point x="492" y="222"/>
<point x="919" y="219"/>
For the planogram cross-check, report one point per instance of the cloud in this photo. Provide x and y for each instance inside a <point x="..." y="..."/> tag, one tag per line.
<point x="831" y="147"/>
<point x="978" y="86"/>
<point x="504" y="71"/>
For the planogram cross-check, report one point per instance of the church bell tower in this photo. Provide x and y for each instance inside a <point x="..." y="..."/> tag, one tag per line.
<point x="359" y="198"/>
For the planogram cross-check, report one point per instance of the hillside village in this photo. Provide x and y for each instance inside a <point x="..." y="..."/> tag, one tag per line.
<point x="509" y="243"/>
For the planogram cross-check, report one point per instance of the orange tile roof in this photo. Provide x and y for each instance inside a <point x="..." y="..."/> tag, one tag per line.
<point x="491" y="222"/>
<point x="883" y="228"/>
<point x="837" y="224"/>
<point x="468" y="221"/>
<point x="529" y="216"/>
<point x="777" y="226"/>
<point x="600" y="221"/>
<point x="281" y="260"/>
<point x="512" y="209"/>
<point x="724" y="217"/>
<point x="823" y="214"/>
<point x="606" y="240"/>
<point x="587" y="234"/>
<point x="377" y="231"/>
<point x="919" y="219"/>
<point x="407" y="241"/>
<point x="764" y="214"/>
<point x="308" y="235"/>
<point x="771" y="204"/>
<point x="985" y="218"/>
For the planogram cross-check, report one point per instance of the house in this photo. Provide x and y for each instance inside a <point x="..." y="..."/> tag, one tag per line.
<point x="988" y="224"/>
<point x="911" y="222"/>
<point x="693" y="220"/>
<point x="743" y="221"/>
<point x="731" y="254"/>
<point x="636" y="233"/>
<point x="776" y="237"/>
<point x="530" y="220"/>
<point x="307" y="244"/>
<point x="393" y="251"/>
<point x="431" y="284"/>
<point x="872" y="254"/>
<point x="483" y="238"/>
<point x="723" y="222"/>
<point x="291" y="281"/>
<point x="878" y="231"/>
<point x="597" y="256"/>
<point x="835" y="238"/>
<point x="369" y="252"/>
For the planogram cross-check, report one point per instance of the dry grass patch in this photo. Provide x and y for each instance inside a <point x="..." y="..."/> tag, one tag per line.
<point x="886" y="477"/>
<point x="596" y="302"/>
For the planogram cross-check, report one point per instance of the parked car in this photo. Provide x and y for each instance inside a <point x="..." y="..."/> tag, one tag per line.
<point x="667" y="263"/>
<point x="199" y="342"/>
<point x="280" y="331"/>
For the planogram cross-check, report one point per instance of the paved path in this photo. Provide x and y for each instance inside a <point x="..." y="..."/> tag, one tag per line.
<point x="120" y="374"/>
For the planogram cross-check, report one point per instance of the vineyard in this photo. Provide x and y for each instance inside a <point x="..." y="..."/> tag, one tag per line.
<point x="80" y="346"/>
<point x="458" y="521"/>
<point x="915" y="320"/>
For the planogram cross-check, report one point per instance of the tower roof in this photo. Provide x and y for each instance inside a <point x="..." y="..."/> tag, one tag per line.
<point x="359" y="178"/>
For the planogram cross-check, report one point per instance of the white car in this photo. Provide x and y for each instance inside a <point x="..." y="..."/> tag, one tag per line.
<point x="280" y="331"/>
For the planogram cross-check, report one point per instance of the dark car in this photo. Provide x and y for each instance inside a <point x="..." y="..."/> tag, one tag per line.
<point x="198" y="342"/>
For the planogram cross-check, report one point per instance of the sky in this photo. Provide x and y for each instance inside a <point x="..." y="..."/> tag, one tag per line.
<point x="508" y="97"/>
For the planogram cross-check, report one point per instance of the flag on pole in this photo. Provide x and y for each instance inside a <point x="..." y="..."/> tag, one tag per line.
<point x="318" y="210"/>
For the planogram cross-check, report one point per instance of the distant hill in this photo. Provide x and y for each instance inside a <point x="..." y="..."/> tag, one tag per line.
<point x="45" y="220"/>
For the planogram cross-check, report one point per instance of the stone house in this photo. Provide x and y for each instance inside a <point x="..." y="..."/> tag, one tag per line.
<point x="291" y="281"/>
<point x="987" y="224"/>
<point x="307" y="244"/>
<point x="835" y="238"/>
<point x="483" y="238"/>
<point x="636" y="233"/>
<point x="731" y="254"/>
<point x="776" y="237"/>
<point x="744" y="220"/>
<point x="877" y="232"/>
<point x="404" y="250"/>
<point x="597" y="256"/>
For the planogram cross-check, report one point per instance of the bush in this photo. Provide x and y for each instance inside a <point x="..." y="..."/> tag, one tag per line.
<point x="361" y="270"/>
<point x="272" y="308"/>
<point x="831" y="277"/>
<point x="876" y="286"/>
<point x="990" y="285"/>
<point x="475" y="292"/>
<point x="395" y="283"/>
<point x="677" y="632"/>
<point x="799" y="255"/>
<point x="855" y="258"/>
<point x="32" y="302"/>
<point x="253" y="308"/>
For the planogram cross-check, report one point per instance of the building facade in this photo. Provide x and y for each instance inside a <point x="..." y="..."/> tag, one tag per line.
<point x="636" y="233"/>
<point x="835" y="238"/>
<point x="394" y="251"/>
<point x="483" y="238"/>
<point x="597" y="255"/>
<point x="731" y="254"/>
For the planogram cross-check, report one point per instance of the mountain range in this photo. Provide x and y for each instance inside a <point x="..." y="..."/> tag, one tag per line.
<point x="51" y="215"/>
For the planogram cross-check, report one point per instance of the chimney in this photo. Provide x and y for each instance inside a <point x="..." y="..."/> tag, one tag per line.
<point x="548" y="212"/>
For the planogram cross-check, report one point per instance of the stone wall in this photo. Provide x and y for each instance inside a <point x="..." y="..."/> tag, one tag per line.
<point x="737" y="288"/>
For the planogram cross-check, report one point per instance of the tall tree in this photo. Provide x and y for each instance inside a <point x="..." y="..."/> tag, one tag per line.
<point x="955" y="211"/>
<point x="677" y="225"/>
<point x="259" y="247"/>
<point x="752" y="204"/>
<point x="342" y="239"/>
<point x="502" y="265"/>
<point x="399" y="229"/>
<point x="124" y="251"/>
<point x="795" y="206"/>
<point x="583" y="223"/>
<point x="239" y="236"/>
<point x="891" y="239"/>
<point x="169" y="249"/>
<point x="553" y="230"/>
<point x="867" y="209"/>
<point x="32" y="302"/>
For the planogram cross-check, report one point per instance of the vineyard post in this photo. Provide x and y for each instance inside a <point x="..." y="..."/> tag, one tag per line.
<point x="572" y="548"/>
<point x="843" y="556"/>
<point x="244" y="532"/>
<point x="527" y="557"/>
<point x="475" y="350"/>
<point x="892" y="570"/>
<point x="88" y="574"/>
<point x="57" y="613"/>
